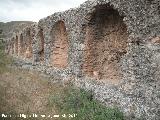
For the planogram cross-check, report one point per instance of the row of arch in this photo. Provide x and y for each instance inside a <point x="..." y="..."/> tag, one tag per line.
<point x="105" y="44"/>
<point x="60" y="45"/>
<point x="21" y="45"/>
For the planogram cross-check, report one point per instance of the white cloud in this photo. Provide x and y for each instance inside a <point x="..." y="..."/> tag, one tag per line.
<point x="33" y="10"/>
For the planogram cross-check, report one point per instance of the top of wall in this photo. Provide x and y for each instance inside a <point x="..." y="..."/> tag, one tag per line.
<point x="13" y="27"/>
<point x="141" y="17"/>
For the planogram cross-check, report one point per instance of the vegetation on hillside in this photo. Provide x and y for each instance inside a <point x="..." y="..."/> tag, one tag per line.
<point x="76" y="101"/>
<point x="14" y="26"/>
<point x="4" y="59"/>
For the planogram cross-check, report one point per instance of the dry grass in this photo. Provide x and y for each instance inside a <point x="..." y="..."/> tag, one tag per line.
<point x="29" y="93"/>
<point x="25" y="92"/>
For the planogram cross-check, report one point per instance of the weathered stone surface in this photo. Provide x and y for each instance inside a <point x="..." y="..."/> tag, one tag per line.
<point x="110" y="47"/>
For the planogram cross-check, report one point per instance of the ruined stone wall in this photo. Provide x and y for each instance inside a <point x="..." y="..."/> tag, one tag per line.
<point x="110" y="47"/>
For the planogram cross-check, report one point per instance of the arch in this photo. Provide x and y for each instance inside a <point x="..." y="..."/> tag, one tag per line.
<point x="41" y="45"/>
<point x="21" y="45"/>
<point x="16" y="45"/>
<point x="105" y="43"/>
<point x="8" y="47"/>
<point x="29" y="52"/>
<point x="59" y="57"/>
<point x="12" y="45"/>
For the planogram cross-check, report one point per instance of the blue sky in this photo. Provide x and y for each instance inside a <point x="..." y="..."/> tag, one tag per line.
<point x="33" y="10"/>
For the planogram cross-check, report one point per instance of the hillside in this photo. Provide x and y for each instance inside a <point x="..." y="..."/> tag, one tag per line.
<point x="10" y="27"/>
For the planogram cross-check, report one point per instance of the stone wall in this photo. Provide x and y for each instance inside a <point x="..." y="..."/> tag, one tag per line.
<point x="110" y="47"/>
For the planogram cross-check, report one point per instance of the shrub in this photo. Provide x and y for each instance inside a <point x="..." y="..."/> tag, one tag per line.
<point x="80" y="102"/>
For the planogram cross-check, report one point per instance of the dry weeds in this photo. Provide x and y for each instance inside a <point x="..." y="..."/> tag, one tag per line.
<point x="25" y="92"/>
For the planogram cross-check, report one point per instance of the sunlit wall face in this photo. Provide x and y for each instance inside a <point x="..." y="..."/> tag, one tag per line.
<point x="33" y="10"/>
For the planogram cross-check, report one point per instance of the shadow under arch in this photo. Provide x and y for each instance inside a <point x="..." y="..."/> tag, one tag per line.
<point x="106" y="41"/>
<point x="16" y="45"/>
<point x="21" y="45"/>
<point x="41" y="46"/>
<point x="29" y="49"/>
<point x="60" y="46"/>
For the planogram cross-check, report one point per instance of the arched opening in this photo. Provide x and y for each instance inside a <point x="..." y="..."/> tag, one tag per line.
<point x="41" y="46"/>
<point x="12" y="46"/>
<point x="105" y="44"/>
<point x="16" y="45"/>
<point x="9" y="48"/>
<point x="29" y="45"/>
<point x="59" y="57"/>
<point x="21" y="45"/>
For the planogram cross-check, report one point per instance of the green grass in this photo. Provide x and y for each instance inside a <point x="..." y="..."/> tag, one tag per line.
<point x="77" y="101"/>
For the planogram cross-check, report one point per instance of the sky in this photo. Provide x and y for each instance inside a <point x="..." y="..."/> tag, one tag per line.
<point x="33" y="10"/>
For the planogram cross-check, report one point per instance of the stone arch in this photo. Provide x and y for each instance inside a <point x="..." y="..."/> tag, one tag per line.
<point x="9" y="48"/>
<point x="60" y="46"/>
<point x="16" y="45"/>
<point x="29" y="52"/>
<point x="106" y="41"/>
<point x="41" y="45"/>
<point x="12" y="45"/>
<point x="21" y="45"/>
<point x="6" y="47"/>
